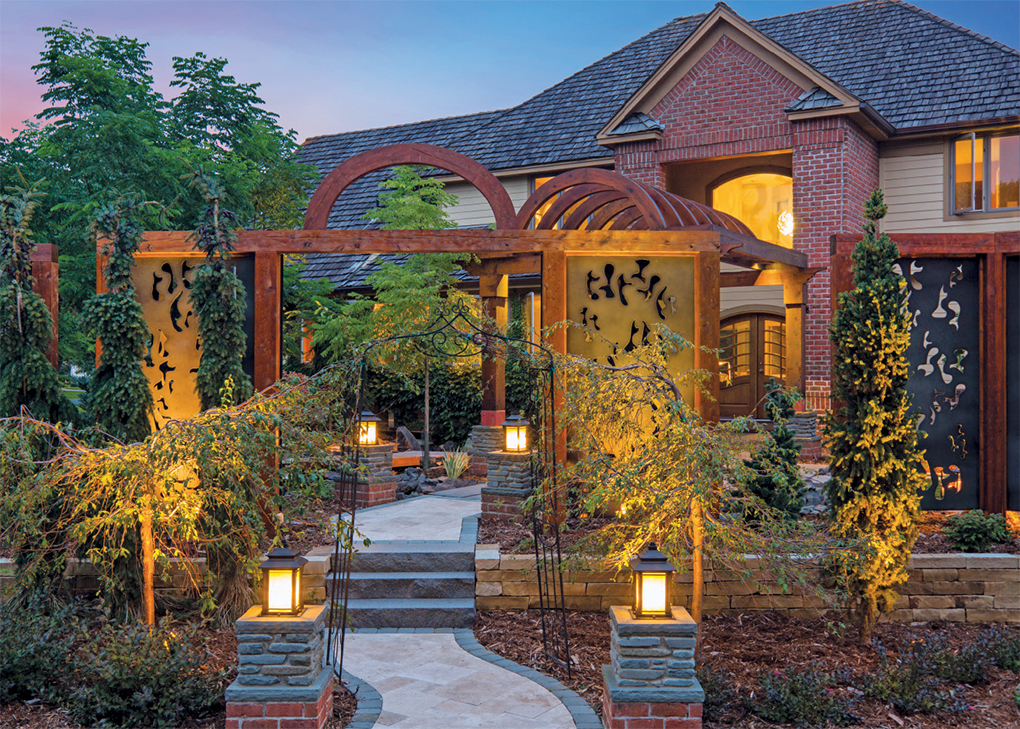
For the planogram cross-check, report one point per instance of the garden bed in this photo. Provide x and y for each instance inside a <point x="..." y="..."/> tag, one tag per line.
<point x="739" y="650"/>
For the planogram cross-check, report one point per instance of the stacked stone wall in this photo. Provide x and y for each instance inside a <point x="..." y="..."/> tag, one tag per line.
<point x="483" y="440"/>
<point x="975" y="588"/>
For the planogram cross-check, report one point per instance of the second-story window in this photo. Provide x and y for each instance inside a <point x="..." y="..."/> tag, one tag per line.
<point x="986" y="173"/>
<point x="762" y="201"/>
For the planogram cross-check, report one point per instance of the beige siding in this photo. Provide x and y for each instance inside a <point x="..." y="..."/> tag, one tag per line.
<point x="473" y="210"/>
<point x="737" y="299"/>
<point x="915" y="190"/>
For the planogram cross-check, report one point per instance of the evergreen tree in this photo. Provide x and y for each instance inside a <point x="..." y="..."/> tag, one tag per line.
<point x="777" y="480"/>
<point x="218" y="297"/>
<point x="874" y="493"/>
<point x="26" y="328"/>
<point x="120" y="397"/>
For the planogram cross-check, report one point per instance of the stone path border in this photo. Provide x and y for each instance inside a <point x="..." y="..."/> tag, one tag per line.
<point x="584" y="716"/>
<point x="369" y="702"/>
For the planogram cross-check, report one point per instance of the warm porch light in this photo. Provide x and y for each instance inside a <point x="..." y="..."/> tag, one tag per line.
<point x="515" y="433"/>
<point x="368" y="428"/>
<point x="653" y="575"/>
<point x="281" y="582"/>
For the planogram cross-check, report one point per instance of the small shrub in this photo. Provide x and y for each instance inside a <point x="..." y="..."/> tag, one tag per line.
<point x="35" y="637"/>
<point x="967" y="665"/>
<point x="719" y="694"/>
<point x="908" y="683"/>
<point x="803" y="699"/>
<point x="131" y="676"/>
<point x="974" y="531"/>
<point x="777" y="480"/>
<point x="455" y="463"/>
<point x="1003" y="645"/>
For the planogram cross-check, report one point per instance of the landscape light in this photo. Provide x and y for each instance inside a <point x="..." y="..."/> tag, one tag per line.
<point x="515" y="432"/>
<point x="653" y="575"/>
<point x="281" y="582"/>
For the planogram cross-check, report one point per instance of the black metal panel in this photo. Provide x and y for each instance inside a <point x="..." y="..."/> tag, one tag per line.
<point x="1013" y="384"/>
<point x="944" y="306"/>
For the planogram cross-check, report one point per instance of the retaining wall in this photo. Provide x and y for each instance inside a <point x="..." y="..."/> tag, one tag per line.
<point x="972" y="588"/>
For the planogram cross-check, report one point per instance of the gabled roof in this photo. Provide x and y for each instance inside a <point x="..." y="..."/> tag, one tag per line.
<point x="913" y="68"/>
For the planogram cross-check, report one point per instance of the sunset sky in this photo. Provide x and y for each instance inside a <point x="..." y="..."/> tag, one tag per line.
<point x="328" y="67"/>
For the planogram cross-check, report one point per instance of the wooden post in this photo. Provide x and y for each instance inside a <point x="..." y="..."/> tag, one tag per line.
<point x="494" y="290"/>
<point x="554" y="309"/>
<point x="706" y="331"/>
<point x="268" y="281"/>
<point x="793" y="298"/>
<point x="993" y="494"/>
<point x="46" y="272"/>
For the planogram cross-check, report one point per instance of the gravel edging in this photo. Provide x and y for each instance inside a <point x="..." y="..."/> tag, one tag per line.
<point x="584" y="716"/>
<point x="369" y="702"/>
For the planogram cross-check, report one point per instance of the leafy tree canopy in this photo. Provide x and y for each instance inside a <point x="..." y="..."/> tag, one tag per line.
<point x="108" y="132"/>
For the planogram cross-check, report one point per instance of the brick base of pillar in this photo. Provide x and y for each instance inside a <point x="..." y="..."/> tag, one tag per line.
<point x="376" y="494"/>
<point x="281" y="714"/>
<point x="649" y="715"/>
<point x="503" y="503"/>
<point x="812" y="450"/>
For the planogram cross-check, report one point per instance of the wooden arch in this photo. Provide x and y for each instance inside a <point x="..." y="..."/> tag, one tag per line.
<point x="326" y="194"/>
<point x="595" y="199"/>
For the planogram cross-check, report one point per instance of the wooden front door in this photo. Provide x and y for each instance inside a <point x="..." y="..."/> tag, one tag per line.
<point x="753" y="349"/>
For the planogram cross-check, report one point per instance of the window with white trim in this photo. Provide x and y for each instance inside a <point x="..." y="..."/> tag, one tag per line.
<point x="986" y="173"/>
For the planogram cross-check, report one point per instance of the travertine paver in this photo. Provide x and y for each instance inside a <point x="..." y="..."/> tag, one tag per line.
<point x="423" y="517"/>
<point x="427" y="681"/>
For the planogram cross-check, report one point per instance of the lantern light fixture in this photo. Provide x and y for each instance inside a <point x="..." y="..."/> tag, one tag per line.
<point x="281" y="582"/>
<point x="653" y="576"/>
<point x="515" y="434"/>
<point x="368" y="428"/>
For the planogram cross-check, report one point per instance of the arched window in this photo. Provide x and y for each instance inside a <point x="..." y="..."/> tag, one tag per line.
<point x="762" y="200"/>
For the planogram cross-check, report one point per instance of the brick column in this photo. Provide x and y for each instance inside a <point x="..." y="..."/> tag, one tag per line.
<point x="283" y="681"/>
<point x="380" y="485"/>
<point x="651" y="683"/>
<point x="508" y="484"/>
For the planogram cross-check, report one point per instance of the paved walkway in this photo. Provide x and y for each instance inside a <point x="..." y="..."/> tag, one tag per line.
<point x="423" y="517"/>
<point x="427" y="681"/>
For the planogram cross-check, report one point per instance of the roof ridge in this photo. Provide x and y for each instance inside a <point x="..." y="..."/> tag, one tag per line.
<point x="954" y="26"/>
<point x="409" y="124"/>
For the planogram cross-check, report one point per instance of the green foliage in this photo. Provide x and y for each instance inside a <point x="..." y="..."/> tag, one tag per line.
<point x="719" y="693"/>
<point x="27" y="379"/>
<point x="103" y="673"/>
<point x="874" y="493"/>
<point x="35" y="640"/>
<point x="974" y="531"/>
<point x="219" y="300"/>
<point x="455" y="395"/>
<point x="108" y="128"/>
<point x="455" y="463"/>
<point x="119" y="393"/>
<point x="412" y="202"/>
<point x="802" y="698"/>
<point x="908" y="683"/>
<point x="1003" y="645"/>
<point x="777" y="480"/>
<point x="136" y="676"/>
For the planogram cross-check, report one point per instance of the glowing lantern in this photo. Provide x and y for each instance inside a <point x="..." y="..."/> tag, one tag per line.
<point x="653" y="575"/>
<point x="368" y="428"/>
<point x="281" y="583"/>
<point x="515" y="433"/>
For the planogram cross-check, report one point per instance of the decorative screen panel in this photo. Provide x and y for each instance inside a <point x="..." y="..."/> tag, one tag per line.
<point x="163" y="287"/>
<point x="1013" y="384"/>
<point x="943" y="302"/>
<point x="622" y="298"/>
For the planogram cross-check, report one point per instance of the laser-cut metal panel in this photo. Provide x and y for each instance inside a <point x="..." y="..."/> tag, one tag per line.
<point x="1013" y="384"/>
<point x="621" y="298"/>
<point x="163" y="287"/>
<point x="944" y="305"/>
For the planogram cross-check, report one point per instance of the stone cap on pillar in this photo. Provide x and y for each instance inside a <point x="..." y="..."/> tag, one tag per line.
<point x="651" y="694"/>
<point x="311" y="620"/>
<point x="625" y="624"/>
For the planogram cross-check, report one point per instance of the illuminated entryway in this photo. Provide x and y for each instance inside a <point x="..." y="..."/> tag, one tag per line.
<point x="752" y="350"/>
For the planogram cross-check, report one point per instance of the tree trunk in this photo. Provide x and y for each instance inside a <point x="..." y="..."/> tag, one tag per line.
<point x="426" y="441"/>
<point x="698" y="576"/>
<point x="148" y="566"/>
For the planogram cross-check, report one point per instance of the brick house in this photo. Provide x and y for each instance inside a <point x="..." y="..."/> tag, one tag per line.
<point x="787" y="123"/>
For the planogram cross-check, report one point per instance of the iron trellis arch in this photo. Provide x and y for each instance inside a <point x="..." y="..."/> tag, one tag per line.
<point x="333" y="185"/>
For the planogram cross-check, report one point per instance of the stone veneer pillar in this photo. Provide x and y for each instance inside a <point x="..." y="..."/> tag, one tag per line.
<point x="380" y="485"/>
<point x="651" y="683"/>
<point x="508" y="483"/>
<point x="283" y="681"/>
<point x="483" y="440"/>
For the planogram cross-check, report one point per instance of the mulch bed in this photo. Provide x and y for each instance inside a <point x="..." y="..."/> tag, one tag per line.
<point x="745" y="647"/>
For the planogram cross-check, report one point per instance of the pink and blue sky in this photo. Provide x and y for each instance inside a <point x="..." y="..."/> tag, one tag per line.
<point x="328" y="67"/>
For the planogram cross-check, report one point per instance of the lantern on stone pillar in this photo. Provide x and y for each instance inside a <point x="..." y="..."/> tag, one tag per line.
<point x="368" y="428"/>
<point x="653" y="578"/>
<point x="281" y="583"/>
<point x="515" y="434"/>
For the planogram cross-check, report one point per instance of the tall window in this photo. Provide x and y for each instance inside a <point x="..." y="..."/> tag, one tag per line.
<point x="763" y="202"/>
<point x="986" y="173"/>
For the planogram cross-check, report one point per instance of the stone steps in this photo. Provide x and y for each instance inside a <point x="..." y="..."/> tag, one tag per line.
<point x="412" y="613"/>
<point x="412" y="585"/>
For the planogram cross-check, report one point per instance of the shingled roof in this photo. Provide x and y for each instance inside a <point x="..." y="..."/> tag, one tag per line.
<point x="913" y="68"/>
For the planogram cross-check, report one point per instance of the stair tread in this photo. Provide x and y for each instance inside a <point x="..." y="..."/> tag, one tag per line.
<point x="409" y="575"/>
<point x="412" y="602"/>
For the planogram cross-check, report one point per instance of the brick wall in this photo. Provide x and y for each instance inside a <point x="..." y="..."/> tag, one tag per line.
<point x="731" y="103"/>
<point x="973" y="588"/>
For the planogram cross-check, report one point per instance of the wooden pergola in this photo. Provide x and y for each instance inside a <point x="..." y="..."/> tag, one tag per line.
<point x="594" y="211"/>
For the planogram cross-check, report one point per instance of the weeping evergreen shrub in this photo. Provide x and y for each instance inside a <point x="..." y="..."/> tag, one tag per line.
<point x="777" y="480"/>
